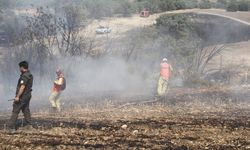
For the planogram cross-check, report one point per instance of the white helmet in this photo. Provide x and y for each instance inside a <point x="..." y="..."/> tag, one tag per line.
<point x="164" y="59"/>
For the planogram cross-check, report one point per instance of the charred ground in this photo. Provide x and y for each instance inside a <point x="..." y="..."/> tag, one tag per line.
<point x="193" y="123"/>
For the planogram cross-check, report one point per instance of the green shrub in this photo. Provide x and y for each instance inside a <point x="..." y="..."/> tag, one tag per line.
<point x="177" y="25"/>
<point x="205" y="4"/>
<point x="232" y="6"/>
<point x="156" y="6"/>
<point x="221" y="3"/>
<point x="125" y="8"/>
<point x="243" y="5"/>
<point x="191" y="4"/>
<point x="167" y="5"/>
<point x="180" y="4"/>
<point x="107" y="8"/>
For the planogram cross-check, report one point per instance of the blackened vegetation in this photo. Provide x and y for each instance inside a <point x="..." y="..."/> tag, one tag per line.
<point x="169" y="129"/>
<point x="181" y="133"/>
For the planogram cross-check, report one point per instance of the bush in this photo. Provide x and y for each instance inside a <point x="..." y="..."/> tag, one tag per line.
<point x="125" y="8"/>
<point x="243" y="5"/>
<point x="194" y="80"/>
<point x="232" y="6"/>
<point x="107" y="8"/>
<point x="222" y="4"/>
<point x="167" y="5"/>
<point x="191" y="4"/>
<point x="180" y="4"/>
<point x="177" y="25"/>
<point x="156" y="6"/>
<point x="205" y="4"/>
<point x="151" y="5"/>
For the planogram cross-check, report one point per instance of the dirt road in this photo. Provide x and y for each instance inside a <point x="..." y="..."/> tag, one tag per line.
<point x="121" y="25"/>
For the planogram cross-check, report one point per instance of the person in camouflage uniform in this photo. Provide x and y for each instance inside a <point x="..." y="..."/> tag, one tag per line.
<point x="23" y="96"/>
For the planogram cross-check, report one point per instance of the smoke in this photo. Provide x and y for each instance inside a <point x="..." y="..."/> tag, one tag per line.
<point x="110" y="74"/>
<point x="221" y="29"/>
<point x="102" y="75"/>
<point x="85" y="78"/>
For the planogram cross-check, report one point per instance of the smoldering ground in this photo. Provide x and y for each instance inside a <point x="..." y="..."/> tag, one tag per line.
<point x="85" y="78"/>
<point x="99" y="76"/>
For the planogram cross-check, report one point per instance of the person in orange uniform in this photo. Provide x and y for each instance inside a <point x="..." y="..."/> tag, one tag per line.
<point x="56" y="91"/>
<point x="164" y="77"/>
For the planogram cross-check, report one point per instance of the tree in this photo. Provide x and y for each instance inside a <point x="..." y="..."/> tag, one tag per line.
<point x="69" y="28"/>
<point x="202" y="56"/>
<point x="47" y="35"/>
<point x="41" y="29"/>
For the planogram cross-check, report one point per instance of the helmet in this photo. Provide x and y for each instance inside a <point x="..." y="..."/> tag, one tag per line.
<point x="164" y="59"/>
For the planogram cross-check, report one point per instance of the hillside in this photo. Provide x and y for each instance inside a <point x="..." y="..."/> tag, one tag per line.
<point x="234" y="53"/>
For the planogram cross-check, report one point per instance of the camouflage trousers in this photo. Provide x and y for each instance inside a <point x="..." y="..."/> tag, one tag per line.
<point x="17" y="107"/>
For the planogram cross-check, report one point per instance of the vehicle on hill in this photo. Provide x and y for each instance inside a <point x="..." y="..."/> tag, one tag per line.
<point x="103" y="30"/>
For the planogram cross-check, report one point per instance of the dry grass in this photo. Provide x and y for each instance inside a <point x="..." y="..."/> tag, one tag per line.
<point x="157" y="126"/>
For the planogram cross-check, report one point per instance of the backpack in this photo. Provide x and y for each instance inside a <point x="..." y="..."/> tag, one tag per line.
<point x="63" y="86"/>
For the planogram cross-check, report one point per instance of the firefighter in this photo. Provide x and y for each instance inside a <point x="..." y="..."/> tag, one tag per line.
<point x="59" y="86"/>
<point x="164" y="77"/>
<point x="23" y="96"/>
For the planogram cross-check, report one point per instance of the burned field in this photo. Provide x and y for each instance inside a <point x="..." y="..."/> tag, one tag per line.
<point x="191" y="124"/>
<point x="154" y="133"/>
<point x="112" y="59"/>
